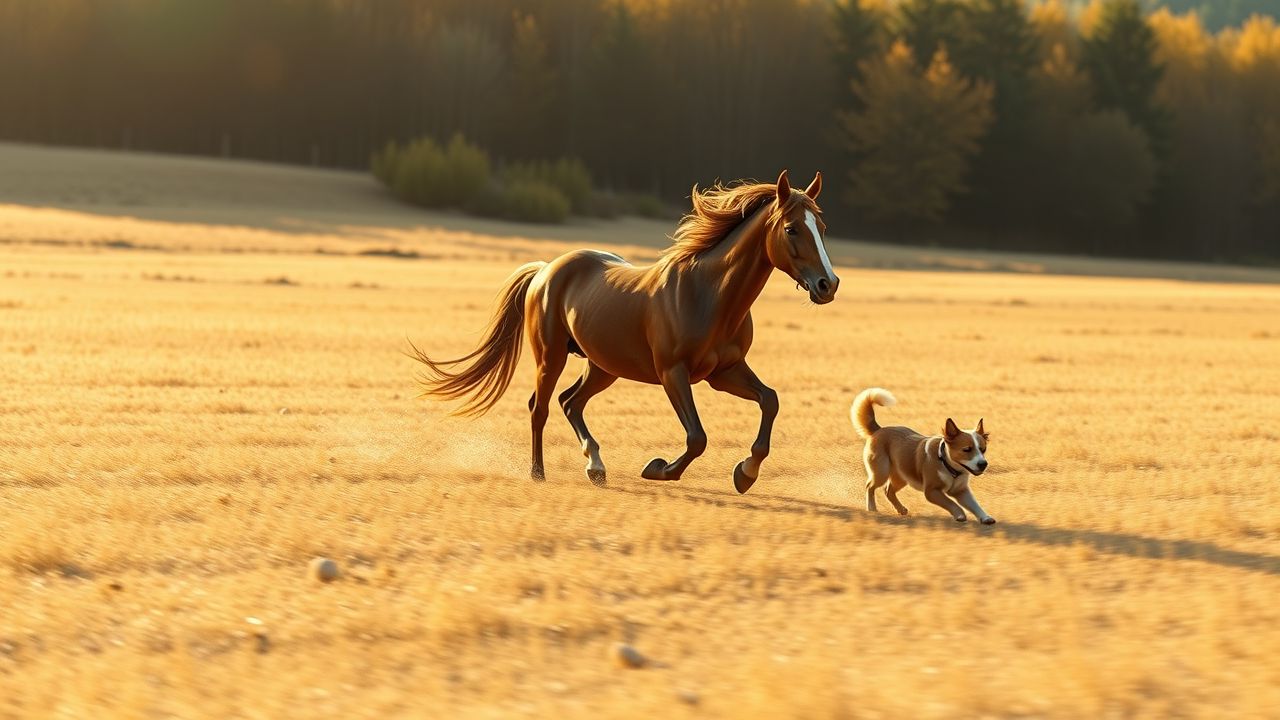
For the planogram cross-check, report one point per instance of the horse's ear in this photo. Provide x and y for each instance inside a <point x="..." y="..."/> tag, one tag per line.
<point x="815" y="187"/>
<point x="784" y="188"/>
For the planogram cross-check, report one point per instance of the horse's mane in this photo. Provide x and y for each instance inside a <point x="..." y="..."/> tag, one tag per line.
<point x="718" y="210"/>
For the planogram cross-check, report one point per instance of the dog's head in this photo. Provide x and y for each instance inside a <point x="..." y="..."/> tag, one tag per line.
<point x="966" y="448"/>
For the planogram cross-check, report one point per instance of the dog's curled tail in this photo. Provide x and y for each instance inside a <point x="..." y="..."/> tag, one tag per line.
<point x="863" y="414"/>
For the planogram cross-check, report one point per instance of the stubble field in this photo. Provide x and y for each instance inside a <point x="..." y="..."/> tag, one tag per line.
<point x="192" y="408"/>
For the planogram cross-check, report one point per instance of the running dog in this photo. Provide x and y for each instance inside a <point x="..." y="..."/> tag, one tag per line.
<point x="939" y="466"/>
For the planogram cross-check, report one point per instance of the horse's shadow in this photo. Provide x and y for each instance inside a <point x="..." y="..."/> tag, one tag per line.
<point x="1113" y="543"/>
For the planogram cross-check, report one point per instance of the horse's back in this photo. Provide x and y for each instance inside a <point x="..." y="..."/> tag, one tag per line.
<point x="579" y="268"/>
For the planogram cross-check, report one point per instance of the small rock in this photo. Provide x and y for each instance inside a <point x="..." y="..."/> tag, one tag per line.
<point x="323" y="569"/>
<point x="626" y="656"/>
<point x="688" y="697"/>
<point x="284" y="411"/>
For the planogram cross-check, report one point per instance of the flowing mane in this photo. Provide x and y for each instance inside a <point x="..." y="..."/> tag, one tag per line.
<point x="717" y="211"/>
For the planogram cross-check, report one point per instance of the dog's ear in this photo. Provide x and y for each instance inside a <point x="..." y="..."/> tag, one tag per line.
<point x="981" y="432"/>
<point x="951" y="430"/>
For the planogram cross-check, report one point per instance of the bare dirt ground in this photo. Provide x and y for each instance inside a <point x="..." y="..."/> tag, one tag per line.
<point x="201" y="388"/>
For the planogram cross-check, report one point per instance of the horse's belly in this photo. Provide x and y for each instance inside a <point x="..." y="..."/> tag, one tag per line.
<point x="611" y="343"/>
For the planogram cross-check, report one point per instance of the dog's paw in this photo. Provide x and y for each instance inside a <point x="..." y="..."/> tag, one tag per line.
<point x="988" y="521"/>
<point x="903" y="511"/>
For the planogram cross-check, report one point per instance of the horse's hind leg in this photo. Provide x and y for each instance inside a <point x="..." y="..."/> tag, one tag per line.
<point x="550" y="349"/>
<point x="574" y="401"/>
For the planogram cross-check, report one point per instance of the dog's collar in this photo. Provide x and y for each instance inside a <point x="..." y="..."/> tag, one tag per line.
<point x="942" y="455"/>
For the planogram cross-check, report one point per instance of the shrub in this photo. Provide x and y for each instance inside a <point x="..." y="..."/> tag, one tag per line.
<point x="425" y="174"/>
<point x="467" y="170"/>
<point x="647" y="206"/>
<point x="523" y="200"/>
<point x="568" y="175"/>
<point x="606" y="205"/>
<point x="383" y="163"/>
<point x="418" y="174"/>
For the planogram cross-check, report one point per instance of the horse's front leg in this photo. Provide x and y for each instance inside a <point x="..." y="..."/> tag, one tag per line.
<point x="739" y="380"/>
<point x="675" y="381"/>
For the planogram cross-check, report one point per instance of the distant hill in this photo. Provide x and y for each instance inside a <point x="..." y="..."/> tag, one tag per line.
<point x="1221" y="13"/>
<point x="1218" y="14"/>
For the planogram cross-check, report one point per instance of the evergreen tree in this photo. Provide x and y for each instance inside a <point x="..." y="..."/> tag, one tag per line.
<point x="915" y="136"/>
<point x="927" y="26"/>
<point x="620" y="131"/>
<point x="996" y="43"/>
<point x="859" y="30"/>
<point x="531" y="93"/>
<point x="1120" y="58"/>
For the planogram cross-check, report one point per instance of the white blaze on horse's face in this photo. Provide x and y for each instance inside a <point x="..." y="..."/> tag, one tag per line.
<point x="811" y="222"/>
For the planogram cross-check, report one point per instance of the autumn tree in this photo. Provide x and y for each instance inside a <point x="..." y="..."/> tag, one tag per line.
<point x="916" y="136"/>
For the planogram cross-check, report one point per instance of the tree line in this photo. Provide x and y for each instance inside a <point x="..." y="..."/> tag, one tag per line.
<point x="1052" y="125"/>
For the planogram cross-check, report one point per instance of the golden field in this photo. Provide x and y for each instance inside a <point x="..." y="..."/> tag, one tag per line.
<point x="200" y="392"/>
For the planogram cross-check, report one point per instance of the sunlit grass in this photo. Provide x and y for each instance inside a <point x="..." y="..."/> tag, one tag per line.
<point x="173" y="453"/>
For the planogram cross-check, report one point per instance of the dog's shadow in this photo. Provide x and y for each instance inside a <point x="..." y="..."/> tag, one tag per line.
<point x="1114" y="543"/>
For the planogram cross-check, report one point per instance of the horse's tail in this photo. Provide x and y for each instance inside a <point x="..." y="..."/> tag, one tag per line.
<point x="485" y="373"/>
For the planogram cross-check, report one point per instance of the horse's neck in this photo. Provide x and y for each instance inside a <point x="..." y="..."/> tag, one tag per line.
<point x="739" y="267"/>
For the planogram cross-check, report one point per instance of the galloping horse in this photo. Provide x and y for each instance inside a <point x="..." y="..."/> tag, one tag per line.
<point x="682" y="320"/>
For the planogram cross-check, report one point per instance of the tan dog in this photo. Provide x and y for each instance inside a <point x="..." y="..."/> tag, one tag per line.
<point x="939" y="466"/>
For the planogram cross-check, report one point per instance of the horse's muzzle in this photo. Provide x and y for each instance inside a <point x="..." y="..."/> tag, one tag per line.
<point x="822" y="290"/>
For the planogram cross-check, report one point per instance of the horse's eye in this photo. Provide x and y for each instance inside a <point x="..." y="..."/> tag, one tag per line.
<point x="790" y="230"/>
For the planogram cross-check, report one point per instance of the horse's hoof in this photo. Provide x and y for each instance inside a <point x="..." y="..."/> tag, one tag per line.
<point x="655" y="470"/>
<point x="988" y="521"/>
<point x="537" y="474"/>
<point x="596" y="477"/>
<point x="961" y="519"/>
<point x="742" y="482"/>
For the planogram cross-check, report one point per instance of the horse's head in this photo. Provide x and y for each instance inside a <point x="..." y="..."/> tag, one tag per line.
<point x="795" y="240"/>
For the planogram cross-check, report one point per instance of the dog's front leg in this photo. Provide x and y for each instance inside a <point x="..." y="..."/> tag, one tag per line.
<point x="970" y="502"/>
<point x="939" y="498"/>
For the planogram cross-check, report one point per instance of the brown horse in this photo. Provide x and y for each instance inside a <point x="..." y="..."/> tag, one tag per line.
<point x="682" y="320"/>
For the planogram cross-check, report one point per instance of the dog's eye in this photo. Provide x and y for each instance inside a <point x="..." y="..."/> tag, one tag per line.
<point x="969" y="449"/>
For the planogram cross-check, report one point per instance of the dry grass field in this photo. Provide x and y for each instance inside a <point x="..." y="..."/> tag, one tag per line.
<point x="199" y="394"/>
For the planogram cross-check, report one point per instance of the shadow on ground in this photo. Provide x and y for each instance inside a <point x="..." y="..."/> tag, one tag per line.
<point x="1112" y="543"/>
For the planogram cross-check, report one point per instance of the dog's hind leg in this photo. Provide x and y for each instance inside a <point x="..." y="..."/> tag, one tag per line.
<point x="878" y="471"/>
<point x="891" y="492"/>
